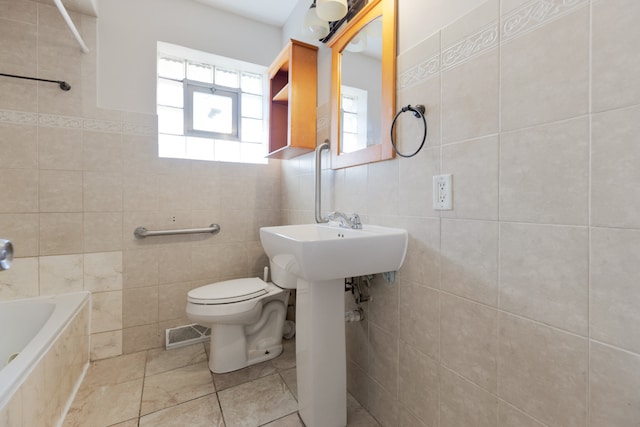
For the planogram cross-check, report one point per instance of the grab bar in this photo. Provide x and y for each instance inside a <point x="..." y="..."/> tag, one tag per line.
<point x="318" y="181"/>
<point x="142" y="232"/>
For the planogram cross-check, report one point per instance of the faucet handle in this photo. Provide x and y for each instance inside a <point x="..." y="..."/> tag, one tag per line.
<point x="355" y="220"/>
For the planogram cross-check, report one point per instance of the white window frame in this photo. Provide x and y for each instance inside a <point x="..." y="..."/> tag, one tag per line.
<point x="246" y="151"/>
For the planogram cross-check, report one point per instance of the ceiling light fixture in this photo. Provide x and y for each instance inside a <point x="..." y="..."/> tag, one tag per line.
<point x="315" y="27"/>
<point x="331" y="10"/>
<point x="324" y="17"/>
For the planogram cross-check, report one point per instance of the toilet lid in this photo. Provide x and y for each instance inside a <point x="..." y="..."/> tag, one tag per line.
<point x="228" y="291"/>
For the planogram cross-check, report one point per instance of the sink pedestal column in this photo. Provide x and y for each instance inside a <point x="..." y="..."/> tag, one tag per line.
<point x="321" y="364"/>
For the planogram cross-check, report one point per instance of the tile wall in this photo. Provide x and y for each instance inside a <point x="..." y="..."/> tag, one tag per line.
<point x="519" y="307"/>
<point x="77" y="180"/>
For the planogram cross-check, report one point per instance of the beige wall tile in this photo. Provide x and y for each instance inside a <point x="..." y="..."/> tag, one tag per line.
<point x="383" y="306"/>
<point x="60" y="191"/>
<point x="140" y="306"/>
<point x="415" y="192"/>
<point x="470" y="98"/>
<point x="22" y="195"/>
<point x="383" y="359"/>
<point x="23" y="231"/>
<point x="60" y="274"/>
<point x="470" y="260"/>
<point x="615" y="296"/>
<point x="102" y="151"/>
<point x="614" y="381"/>
<point x="141" y="267"/>
<point x="102" y="231"/>
<point x="615" y="67"/>
<point x="19" y="146"/>
<point x="60" y="233"/>
<point x="106" y="311"/>
<point x="106" y="344"/>
<point x="544" y="274"/>
<point x="615" y="179"/>
<point x="172" y="300"/>
<point x="21" y="280"/>
<point x="471" y="23"/>
<point x="474" y="166"/>
<point x="544" y="174"/>
<point x="358" y="383"/>
<point x="543" y="371"/>
<point x="469" y="340"/>
<point x="59" y="148"/>
<point x="418" y="390"/>
<point x="382" y="188"/>
<point x="545" y="73"/>
<point x="140" y="338"/>
<point x="19" y="95"/>
<point x="422" y="263"/>
<point x="140" y="192"/>
<point x="350" y="189"/>
<point x="19" y="49"/>
<point x="511" y="417"/>
<point x="420" y="319"/>
<point x="415" y="55"/>
<point x="357" y="334"/>
<point x="382" y="405"/>
<point x="462" y="403"/>
<point x="103" y="192"/>
<point x="103" y="271"/>
<point x="409" y="129"/>
<point x="23" y="11"/>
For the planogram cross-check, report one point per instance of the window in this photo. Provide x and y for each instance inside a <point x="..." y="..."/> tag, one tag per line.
<point x="210" y="107"/>
<point x="353" y="109"/>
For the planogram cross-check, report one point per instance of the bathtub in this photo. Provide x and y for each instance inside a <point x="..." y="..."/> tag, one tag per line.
<point x="44" y="351"/>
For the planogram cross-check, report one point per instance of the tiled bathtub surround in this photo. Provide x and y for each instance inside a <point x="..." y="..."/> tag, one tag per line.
<point x="77" y="180"/>
<point x="520" y="306"/>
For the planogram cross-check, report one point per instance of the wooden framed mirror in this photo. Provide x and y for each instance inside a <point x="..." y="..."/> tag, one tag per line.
<point x="363" y="86"/>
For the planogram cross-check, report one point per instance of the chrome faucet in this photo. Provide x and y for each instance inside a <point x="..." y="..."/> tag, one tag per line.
<point x="345" y="221"/>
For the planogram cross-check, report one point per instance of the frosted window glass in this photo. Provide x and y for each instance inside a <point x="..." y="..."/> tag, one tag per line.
<point x="350" y="123"/>
<point x="225" y="77"/>
<point x="251" y="130"/>
<point x="171" y="146"/>
<point x="171" y="68"/>
<point x="200" y="72"/>
<point x="251" y="83"/>
<point x="200" y="148"/>
<point x="170" y="120"/>
<point x="212" y="113"/>
<point x="171" y="93"/>
<point x="251" y="106"/>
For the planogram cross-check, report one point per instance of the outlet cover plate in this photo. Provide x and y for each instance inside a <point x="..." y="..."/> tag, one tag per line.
<point x="442" y="192"/>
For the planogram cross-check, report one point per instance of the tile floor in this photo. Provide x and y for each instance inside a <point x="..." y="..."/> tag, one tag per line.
<point x="158" y="388"/>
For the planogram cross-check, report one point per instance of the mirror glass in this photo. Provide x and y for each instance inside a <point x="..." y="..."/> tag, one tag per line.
<point x="361" y="89"/>
<point x="363" y="64"/>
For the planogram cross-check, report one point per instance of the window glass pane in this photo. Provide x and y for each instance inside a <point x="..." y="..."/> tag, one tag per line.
<point x="171" y="68"/>
<point x="349" y="104"/>
<point x="226" y="77"/>
<point x="253" y="153"/>
<point x="171" y="93"/>
<point x="251" y="83"/>
<point x="170" y="120"/>
<point x="199" y="148"/>
<point x="200" y="72"/>
<point x="251" y="106"/>
<point x="227" y="151"/>
<point x="252" y="130"/>
<point x="171" y="146"/>
<point x="212" y="113"/>
<point x="350" y="123"/>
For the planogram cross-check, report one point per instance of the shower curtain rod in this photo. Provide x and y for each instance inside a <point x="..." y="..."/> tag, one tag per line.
<point x="63" y="85"/>
<point x="72" y="27"/>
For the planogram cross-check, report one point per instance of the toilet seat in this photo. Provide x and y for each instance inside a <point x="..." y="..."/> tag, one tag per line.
<point x="227" y="292"/>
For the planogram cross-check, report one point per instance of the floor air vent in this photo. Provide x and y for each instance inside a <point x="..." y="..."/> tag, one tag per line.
<point x="181" y="336"/>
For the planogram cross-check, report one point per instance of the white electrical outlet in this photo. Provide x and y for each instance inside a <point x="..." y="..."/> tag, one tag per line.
<point x="442" y="190"/>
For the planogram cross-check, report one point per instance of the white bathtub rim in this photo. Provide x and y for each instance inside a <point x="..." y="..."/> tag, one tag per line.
<point x="21" y="368"/>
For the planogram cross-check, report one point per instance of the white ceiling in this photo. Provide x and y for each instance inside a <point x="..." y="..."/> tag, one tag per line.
<point x="274" y="12"/>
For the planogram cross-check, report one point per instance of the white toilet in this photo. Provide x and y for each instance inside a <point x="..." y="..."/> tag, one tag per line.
<point x="246" y="317"/>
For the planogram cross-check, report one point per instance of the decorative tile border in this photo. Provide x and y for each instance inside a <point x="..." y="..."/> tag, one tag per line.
<point x="530" y="16"/>
<point x="72" y="122"/>
<point x="473" y="45"/>
<point x="534" y="15"/>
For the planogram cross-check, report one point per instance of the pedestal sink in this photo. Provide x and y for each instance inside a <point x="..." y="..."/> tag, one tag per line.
<point x="319" y="257"/>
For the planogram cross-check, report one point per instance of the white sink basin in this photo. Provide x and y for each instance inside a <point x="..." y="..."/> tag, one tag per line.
<point x="318" y="252"/>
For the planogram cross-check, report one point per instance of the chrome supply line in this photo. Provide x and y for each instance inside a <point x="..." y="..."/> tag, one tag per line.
<point x="142" y="232"/>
